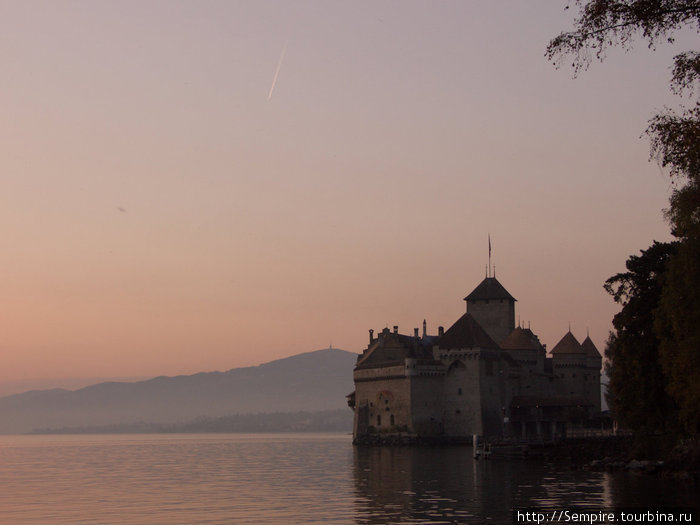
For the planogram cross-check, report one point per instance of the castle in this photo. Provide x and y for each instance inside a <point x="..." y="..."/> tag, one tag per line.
<point x="484" y="375"/>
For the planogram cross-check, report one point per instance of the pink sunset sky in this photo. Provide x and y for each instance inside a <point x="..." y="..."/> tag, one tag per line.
<point x="165" y="209"/>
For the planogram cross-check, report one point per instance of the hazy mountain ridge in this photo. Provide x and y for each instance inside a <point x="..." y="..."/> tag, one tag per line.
<point x="313" y="381"/>
<point x="339" y="420"/>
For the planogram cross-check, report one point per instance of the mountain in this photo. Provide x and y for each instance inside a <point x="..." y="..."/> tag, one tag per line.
<point x="338" y="420"/>
<point x="312" y="381"/>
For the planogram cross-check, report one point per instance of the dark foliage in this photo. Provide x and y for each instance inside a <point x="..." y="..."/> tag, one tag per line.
<point x="677" y="324"/>
<point x="657" y="334"/>
<point x="676" y="142"/>
<point x="637" y="392"/>
<point x="605" y="23"/>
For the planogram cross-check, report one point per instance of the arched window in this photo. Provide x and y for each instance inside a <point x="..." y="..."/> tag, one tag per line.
<point x="379" y="420"/>
<point x="392" y="420"/>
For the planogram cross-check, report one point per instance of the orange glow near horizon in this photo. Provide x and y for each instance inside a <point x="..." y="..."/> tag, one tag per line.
<point x="162" y="214"/>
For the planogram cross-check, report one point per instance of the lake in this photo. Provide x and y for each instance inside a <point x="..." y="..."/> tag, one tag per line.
<point x="290" y="478"/>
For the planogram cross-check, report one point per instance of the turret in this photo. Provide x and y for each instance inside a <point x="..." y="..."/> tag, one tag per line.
<point x="594" y="362"/>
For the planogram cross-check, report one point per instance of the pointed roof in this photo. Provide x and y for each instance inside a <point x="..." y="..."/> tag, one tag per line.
<point x="589" y="347"/>
<point x="521" y="339"/>
<point x="489" y="288"/>
<point x="466" y="333"/>
<point x="391" y="349"/>
<point x="568" y="345"/>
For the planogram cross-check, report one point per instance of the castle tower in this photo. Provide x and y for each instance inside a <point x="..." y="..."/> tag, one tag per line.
<point x="594" y="362"/>
<point x="493" y="308"/>
<point x="525" y="347"/>
<point x="569" y="364"/>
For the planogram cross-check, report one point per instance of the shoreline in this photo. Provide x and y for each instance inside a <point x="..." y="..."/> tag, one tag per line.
<point x="651" y="455"/>
<point x="658" y="455"/>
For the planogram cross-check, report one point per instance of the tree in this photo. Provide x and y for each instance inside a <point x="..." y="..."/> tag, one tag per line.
<point x="675" y="142"/>
<point x="605" y="23"/>
<point x="638" y="388"/>
<point x="677" y="326"/>
<point x="669" y="333"/>
<point x="675" y="138"/>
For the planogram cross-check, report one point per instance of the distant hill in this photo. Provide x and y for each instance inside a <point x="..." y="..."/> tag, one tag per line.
<point x="312" y="381"/>
<point x="338" y="420"/>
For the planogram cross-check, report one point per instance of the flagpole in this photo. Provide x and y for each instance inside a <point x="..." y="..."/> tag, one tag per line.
<point x="489" y="254"/>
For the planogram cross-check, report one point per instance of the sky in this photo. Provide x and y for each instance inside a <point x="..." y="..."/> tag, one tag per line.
<point x="195" y="186"/>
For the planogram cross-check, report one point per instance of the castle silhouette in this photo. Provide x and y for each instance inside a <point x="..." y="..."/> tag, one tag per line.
<point x="482" y="376"/>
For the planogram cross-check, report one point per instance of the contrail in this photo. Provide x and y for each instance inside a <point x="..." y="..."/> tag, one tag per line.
<point x="277" y="71"/>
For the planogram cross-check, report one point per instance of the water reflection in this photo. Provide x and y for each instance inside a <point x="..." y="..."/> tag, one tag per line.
<point x="446" y="485"/>
<point x="283" y="479"/>
<point x="430" y="485"/>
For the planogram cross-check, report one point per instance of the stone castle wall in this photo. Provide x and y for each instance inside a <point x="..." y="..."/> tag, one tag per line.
<point x="496" y="316"/>
<point x="427" y="393"/>
<point x="385" y="403"/>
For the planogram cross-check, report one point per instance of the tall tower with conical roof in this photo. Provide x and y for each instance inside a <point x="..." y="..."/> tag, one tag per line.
<point x="576" y="367"/>
<point x="594" y="362"/>
<point x="493" y="308"/>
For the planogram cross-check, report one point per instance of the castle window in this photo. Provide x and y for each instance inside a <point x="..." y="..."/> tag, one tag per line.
<point x="379" y="420"/>
<point x="458" y="411"/>
<point x="392" y="420"/>
<point x="489" y="368"/>
<point x="459" y="391"/>
<point x="386" y="401"/>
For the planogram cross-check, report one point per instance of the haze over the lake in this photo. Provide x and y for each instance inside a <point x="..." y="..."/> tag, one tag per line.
<point x="191" y="186"/>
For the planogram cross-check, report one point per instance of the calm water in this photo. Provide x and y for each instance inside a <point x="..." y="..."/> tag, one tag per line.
<point x="288" y="478"/>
